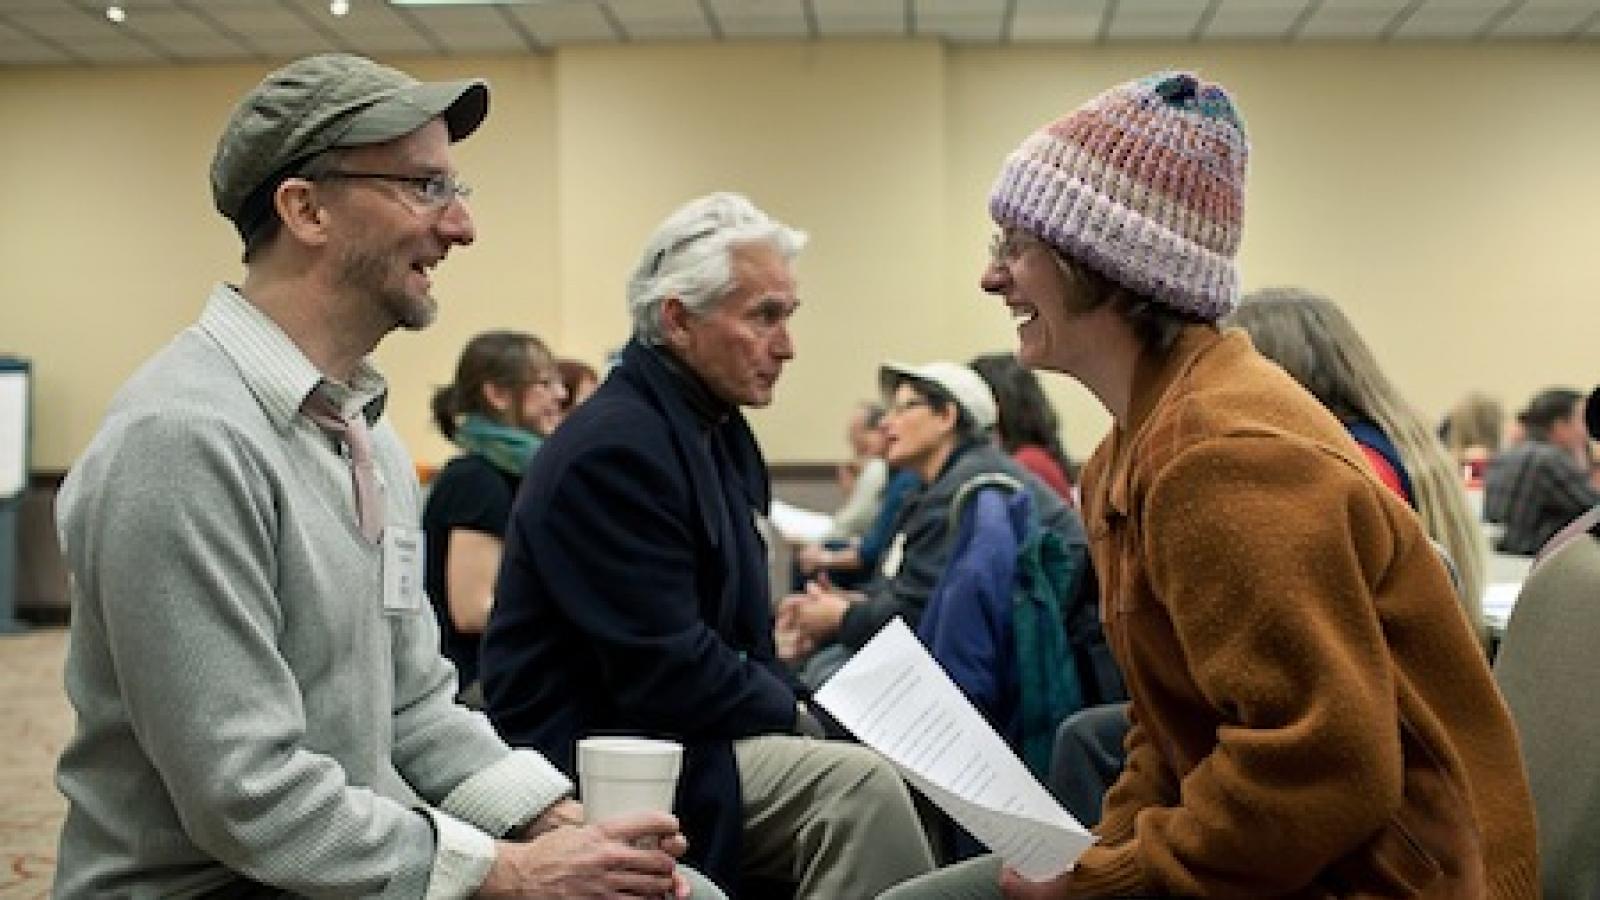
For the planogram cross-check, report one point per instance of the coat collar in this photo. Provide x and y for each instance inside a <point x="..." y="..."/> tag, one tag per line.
<point x="1153" y="377"/>
<point x="699" y="421"/>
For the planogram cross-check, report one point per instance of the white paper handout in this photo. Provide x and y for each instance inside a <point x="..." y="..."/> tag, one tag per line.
<point x="900" y="702"/>
<point x="799" y="526"/>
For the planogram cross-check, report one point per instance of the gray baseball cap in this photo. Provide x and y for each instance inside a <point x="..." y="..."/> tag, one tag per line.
<point x="319" y="103"/>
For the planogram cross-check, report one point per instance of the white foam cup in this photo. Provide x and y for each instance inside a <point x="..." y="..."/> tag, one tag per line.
<point x="621" y="775"/>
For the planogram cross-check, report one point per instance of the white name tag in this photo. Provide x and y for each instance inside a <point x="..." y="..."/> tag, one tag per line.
<point x="402" y="568"/>
<point x="894" y="556"/>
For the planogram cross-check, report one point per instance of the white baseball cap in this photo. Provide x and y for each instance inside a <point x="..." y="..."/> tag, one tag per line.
<point x="966" y="386"/>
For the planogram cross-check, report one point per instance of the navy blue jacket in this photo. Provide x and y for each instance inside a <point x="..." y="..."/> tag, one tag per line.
<point x="633" y="595"/>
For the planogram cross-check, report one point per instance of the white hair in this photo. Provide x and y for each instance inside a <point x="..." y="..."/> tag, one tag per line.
<point x="689" y="257"/>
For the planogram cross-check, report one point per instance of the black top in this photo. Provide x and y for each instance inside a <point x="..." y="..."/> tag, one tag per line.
<point x="634" y="598"/>
<point x="468" y="493"/>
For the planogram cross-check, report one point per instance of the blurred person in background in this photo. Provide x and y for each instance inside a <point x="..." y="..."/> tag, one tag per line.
<point x="1548" y="479"/>
<point x="505" y="400"/>
<point x="940" y="416"/>
<point x="1473" y="432"/>
<point x="579" y="380"/>
<point x="864" y="476"/>
<point x="1029" y="428"/>
<point x="1312" y="339"/>
<point x="864" y="524"/>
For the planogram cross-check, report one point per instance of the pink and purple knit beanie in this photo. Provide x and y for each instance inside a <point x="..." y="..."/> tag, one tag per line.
<point x="1145" y="185"/>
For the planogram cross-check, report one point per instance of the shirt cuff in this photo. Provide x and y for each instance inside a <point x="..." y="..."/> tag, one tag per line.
<point x="517" y="788"/>
<point x="462" y="857"/>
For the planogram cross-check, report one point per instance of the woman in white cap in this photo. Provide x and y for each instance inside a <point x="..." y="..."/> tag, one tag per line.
<point x="937" y="422"/>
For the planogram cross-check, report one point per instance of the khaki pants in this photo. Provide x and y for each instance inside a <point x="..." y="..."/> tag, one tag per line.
<point x="975" y="879"/>
<point x="833" y="817"/>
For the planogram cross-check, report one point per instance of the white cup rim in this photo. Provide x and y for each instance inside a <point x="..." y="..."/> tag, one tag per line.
<point x="622" y="744"/>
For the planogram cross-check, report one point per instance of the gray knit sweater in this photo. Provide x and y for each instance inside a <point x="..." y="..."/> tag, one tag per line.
<point x="248" y="711"/>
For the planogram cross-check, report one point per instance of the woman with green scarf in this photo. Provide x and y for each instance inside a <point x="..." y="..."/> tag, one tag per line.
<point x="506" y="398"/>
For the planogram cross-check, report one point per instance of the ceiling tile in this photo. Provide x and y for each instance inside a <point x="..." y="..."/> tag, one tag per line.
<point x="861" y="26"/>
<point x="959" y="27"/>
<point x="1343" y="29"/>
<point x="759" y="8"/>
<point x="114" y="51"/>
<point x="168" y="22"/>
<point x="1532" y="21"/>
<point x="29" y="52"/>
<point x="869" y="8"/>
<point x="1454" y="21"/>
<point x="1156" y="25"/>
<point x="202" y="47"/>
<point x="965" y="29"/>
<point x="662" y="19"/>
<point x="292" y="44"/>
<point x="9" y="6"/>
<point x="364" y="16"/>
<point x="1147" y="8"/>
<point x="1052" y="20"/>
<point x="848" y="18"/>
<point x="468" y="18"/>
<point x="1254" y="19"/>
<point x="1353" y="19"/>
<point x="736" y="27"/>
<point x="760" y="18"/>
<point x="1060" y="26"/>
<point x="1274" y="7"/>
<point x="504" y="39"/>
<point x="63" y="24"/>
<point x="391" y="42"/>
<point x="927" y="9"/>
<point x="256" y="19"/>
<point x="564" y="22"/>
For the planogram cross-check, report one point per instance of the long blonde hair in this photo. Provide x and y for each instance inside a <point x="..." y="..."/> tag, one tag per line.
<point x="1312" y="340"/>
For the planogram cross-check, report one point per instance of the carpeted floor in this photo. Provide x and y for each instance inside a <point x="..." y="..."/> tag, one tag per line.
<point x="35" y="721"/>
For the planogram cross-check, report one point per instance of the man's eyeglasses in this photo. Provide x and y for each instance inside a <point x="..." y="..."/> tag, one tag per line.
<point x="432" y="191"/>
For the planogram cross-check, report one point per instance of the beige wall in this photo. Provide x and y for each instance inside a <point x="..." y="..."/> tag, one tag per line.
<point x="1443" y="194"/>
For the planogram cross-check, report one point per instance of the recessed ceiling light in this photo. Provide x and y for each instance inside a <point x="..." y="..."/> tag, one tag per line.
<point x="116" y="14"/>
<point x="339" y="7"/>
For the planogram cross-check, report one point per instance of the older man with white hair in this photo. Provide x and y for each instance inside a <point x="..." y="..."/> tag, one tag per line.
<point x="634" y="597"/>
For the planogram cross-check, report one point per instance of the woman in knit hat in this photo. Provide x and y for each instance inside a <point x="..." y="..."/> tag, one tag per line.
<point x="1312" y="715"/>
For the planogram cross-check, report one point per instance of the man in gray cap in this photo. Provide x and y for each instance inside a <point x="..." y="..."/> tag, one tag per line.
<point x="262" y="709"/>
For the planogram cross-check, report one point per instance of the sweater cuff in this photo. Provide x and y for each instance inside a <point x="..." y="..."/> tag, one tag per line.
<point x="1115" y="827"/>
<point x="462" y="857"/>
<point x="1109" y="872"/>
<point x="517" y="788"/>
